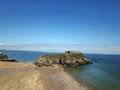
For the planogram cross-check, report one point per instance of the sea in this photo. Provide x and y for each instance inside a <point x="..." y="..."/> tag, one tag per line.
<point x="103" y="74"/>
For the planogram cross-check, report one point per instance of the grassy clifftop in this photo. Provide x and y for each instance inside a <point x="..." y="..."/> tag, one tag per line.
<point x="76" y="56"/>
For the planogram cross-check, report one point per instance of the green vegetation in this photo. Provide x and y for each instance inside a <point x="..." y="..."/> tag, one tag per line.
<point x="3" y="56"/>
<point x="54" y="56"/>
<point x="58" y="56"/>
<point x="76" y="56"/>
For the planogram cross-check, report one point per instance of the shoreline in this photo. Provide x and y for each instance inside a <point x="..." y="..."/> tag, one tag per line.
<point x="31" y="77"/>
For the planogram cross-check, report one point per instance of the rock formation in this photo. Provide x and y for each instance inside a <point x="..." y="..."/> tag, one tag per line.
<point x="70" y="58"/>
<point x="6" y="59"/>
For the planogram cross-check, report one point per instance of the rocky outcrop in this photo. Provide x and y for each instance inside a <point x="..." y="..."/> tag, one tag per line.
<point x="67" y="59"/>
<point x="6" y="59"/>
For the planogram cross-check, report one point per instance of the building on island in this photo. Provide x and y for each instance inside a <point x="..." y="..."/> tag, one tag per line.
<point x="72" y="52"/>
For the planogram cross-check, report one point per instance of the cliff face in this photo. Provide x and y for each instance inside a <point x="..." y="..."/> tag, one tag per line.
<point x="67" y="59"/>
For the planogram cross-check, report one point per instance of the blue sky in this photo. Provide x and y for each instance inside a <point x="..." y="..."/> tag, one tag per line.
<point x="91" y="26"/>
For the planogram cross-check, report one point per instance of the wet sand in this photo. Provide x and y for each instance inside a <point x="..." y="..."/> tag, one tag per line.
<point x="23" y="76"/>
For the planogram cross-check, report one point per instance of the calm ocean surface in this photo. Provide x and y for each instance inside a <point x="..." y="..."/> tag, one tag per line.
<point x="102" y="75"/>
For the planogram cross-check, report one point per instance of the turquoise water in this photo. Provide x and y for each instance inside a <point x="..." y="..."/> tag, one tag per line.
<point x="101" y="75"/>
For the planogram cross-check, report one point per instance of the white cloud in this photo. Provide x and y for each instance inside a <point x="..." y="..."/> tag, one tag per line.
<point x="64" y="47"/>
<point x="1" y="44"/>
<point x="4" y="44"/>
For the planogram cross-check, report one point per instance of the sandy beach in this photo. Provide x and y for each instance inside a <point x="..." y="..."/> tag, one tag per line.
<point x="25" y="76"/>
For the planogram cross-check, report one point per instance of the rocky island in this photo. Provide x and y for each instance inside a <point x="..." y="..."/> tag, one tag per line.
<point x="69" y="58"/>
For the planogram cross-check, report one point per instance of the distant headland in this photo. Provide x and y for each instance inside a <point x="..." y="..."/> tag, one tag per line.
<point x="5" y="58"/>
